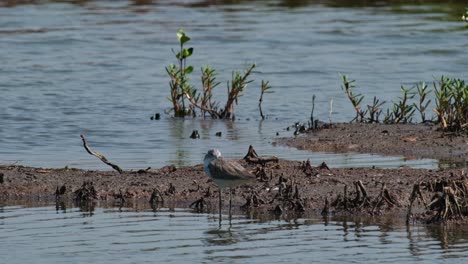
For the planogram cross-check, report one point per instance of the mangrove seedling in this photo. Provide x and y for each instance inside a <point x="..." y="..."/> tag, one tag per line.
<point x="402" y="111"/>
<point x="355" y="99"/>
<point x="235" y="88"/>
<point x="374" y="110"/>
<point x="422" y="106"/>
<point x="179" y="84"/>
<point x="264" y="89"/>
<point x="451" y="104"/>
<point x="238" y="84"/>
<point x="209" y="83"/>
<point x="181" y="89"/>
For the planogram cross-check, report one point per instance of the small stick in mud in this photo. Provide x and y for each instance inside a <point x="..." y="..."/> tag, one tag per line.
<point x="296" y="193"/>
<point x="307" y="168"/>
<point x="362" y="188"/>
<point x="261" y="174"/>
<point x="99" y="155"/>
<point x="86" y="192"/>
<point x="198" y="204"/>
<point x="311" y="125"/>
<point x="345" y="197"/>
<point x="278" y="211"/>
<point x="415" y="194"/>
<point x="326" y="208"/>
<point x="252" y="201"/>
<point x="60" y="191"/>
<point x="447" y="205"/>
<point x="298" y="206"/>
<point x="208" y="192"/>
<point x="120" y="196"/>
<point x="171" y="190"/>
<point x="323" y="166"/>
<point x="384" y="196"/>
<point x="365" y="198"/>
<point x="156" y="197"/>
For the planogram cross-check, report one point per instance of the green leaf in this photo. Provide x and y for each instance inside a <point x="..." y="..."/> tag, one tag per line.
<point x="182" y="37"/>
<point x="187" y="52"/>
<point x="188" y="70"/>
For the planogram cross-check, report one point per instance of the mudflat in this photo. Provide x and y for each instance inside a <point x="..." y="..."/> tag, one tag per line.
<point x="409" y="140"/>
<point x="283" y="187"/>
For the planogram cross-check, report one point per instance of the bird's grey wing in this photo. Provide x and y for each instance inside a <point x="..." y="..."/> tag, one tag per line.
<point x="229" y="170"/>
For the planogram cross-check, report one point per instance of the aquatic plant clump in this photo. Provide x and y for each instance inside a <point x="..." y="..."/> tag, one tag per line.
<point x="185" y="98"/>
<point x="179" y="84"/>
<point x="451" y="103"/>
<point x="451" y="100"/>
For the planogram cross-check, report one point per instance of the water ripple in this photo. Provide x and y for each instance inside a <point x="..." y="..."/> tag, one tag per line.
<point x="98" y="67"/>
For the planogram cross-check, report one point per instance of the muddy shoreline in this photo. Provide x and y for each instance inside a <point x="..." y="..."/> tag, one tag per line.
<point x="181" y="187"/>
<point x="283" y="187"/>
<point x="413" y="141"/>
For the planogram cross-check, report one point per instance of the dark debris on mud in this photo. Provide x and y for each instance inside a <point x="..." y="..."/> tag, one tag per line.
<point x="283" y="188"/>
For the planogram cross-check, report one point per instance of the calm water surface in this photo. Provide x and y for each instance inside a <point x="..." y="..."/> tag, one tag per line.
<point x="97" y="68"/>
<point x="125" y="235"/>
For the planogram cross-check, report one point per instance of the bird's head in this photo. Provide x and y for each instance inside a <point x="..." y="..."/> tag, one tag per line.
<point x="212" y="154"/>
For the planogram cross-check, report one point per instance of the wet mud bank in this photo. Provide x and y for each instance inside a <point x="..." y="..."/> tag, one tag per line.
<point x="283" y="188"/>
<point x="409" y="140"/>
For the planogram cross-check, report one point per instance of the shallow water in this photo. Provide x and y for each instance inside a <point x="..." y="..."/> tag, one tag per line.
<point x="97" y="68"/>
<point x="127" y="235"/>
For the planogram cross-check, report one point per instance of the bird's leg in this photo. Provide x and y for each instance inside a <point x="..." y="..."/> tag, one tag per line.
<point x="220" y="205"/>
<point x="230" y="202"/>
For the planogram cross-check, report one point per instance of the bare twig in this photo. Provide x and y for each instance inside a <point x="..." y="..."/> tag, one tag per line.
<point x="100" y="156"/>
<point x="156" y="197"/>
<point x="312" y="112"/>
<point x="326" y="208"/>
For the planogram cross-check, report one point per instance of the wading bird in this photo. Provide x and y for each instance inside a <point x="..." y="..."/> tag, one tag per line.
<point x="225" y="173"/>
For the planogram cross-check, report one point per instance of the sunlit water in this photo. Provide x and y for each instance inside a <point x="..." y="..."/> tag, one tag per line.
<point x="123" y="235"/>
<point x="98" y="68"/>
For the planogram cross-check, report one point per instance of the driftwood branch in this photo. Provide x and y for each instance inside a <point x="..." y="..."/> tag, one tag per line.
<point x="99" y="155"/>
<point x="251" y="153"/>
<point x="262" y="160"/>
<point x="252" y="157"/>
